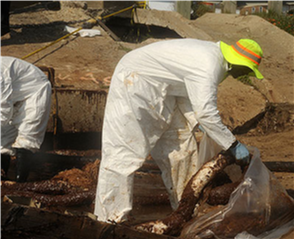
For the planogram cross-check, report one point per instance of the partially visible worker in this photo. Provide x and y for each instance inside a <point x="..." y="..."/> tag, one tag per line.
<point x="158" y="96"/>
<point x="25" y="109"/>
<point x="4" y="17"/>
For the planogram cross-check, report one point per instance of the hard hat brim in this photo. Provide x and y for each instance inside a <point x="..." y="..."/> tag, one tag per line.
<point x="234" y="58"/>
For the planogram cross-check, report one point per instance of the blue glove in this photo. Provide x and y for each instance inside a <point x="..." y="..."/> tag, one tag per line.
<point x="201" y="128"/>
<point x="241" y="154"/>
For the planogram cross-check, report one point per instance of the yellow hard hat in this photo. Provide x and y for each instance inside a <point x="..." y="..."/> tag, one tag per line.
<point x="244" y="52"/>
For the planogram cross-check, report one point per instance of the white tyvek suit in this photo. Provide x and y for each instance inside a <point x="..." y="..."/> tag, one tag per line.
<point x="25" y="105"/>
<point x="158" y="94"/>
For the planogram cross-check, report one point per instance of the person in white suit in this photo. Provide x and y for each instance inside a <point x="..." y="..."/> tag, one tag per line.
<point x="25" y="110"/>
<point x="158" y="96"/>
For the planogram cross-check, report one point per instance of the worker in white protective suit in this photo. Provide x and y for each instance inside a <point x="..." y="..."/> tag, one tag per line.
<point x="158" y="96"/>
<point x="25" y="109"/>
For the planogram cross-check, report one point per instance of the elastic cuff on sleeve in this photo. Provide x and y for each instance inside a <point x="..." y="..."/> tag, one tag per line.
<point x="234" y="144"/>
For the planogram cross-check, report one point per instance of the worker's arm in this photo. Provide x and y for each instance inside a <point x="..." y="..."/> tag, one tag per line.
<point x="202" y="92"/>
<point x="6" y="99"/>
<point x="203" y="96"/>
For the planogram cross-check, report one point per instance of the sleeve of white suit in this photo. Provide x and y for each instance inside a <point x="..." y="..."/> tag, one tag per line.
<point x="6" y="101"/>
<point x="202" y="92"/>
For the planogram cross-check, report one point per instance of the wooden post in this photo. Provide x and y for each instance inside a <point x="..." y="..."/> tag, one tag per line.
<point x="229" y="7"/>
<point x="184" y="8"/>
<point x="275" y="6"/>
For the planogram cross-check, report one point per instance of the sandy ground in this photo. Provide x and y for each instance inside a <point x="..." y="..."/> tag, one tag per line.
<point x="84" y="62"/>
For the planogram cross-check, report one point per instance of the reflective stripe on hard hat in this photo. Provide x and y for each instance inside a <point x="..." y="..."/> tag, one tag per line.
<point x="243" y="51"/>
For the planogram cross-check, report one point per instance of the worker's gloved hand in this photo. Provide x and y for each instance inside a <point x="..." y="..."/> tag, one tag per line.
<point x="5" y="162"/>
<point x="23" y="161"/>
<point x="241" y="153"/>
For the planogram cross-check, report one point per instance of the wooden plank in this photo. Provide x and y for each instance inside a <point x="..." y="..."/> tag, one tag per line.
<point x="280" y="166"/>
<point x="111" y="33"/>
<point x="18" y="221"/>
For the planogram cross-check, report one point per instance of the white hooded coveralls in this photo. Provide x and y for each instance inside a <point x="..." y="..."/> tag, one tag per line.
<point x="25" y="105"/>
<point x="158" y="94"/>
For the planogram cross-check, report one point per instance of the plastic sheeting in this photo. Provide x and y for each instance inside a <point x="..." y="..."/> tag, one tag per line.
<point x="258" y="209"/>
<point x="25" y="105"/>
<point x="207" y="150"/>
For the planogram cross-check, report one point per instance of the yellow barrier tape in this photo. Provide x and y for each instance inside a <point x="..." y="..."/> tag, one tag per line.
<point x="80" y="28"/>
<point x="52" y="43"/>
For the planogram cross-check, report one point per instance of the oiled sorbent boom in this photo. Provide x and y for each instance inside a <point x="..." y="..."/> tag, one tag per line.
<point x="172" y="224"/>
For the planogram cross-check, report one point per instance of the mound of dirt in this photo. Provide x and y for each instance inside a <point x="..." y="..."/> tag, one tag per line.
<point x="278" y="48"/>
